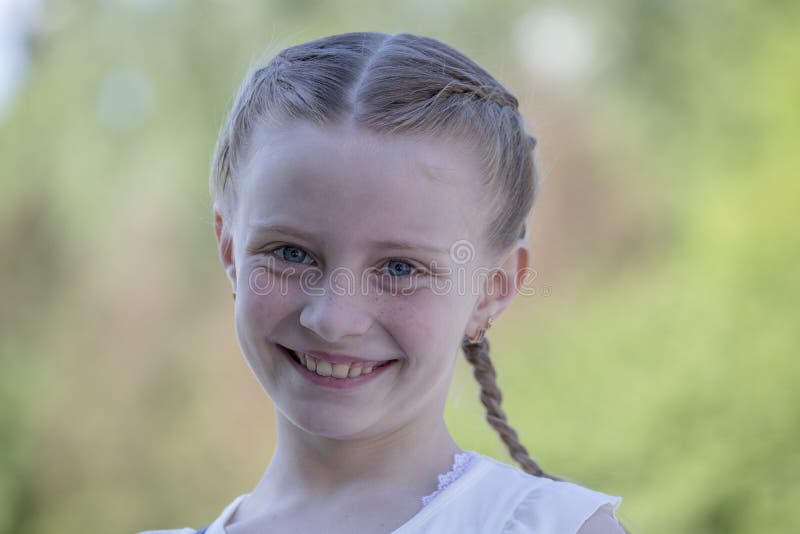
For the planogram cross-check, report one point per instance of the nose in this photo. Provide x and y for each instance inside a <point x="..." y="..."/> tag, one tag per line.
<point x="334" y="317"/>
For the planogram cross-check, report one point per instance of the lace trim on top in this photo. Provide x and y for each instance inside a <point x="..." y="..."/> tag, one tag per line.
<point x="461" y="463"/>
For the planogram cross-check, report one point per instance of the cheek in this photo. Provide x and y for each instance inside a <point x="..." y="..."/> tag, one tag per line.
<point x="423" y="323"/>
<point x="265" y="302"/>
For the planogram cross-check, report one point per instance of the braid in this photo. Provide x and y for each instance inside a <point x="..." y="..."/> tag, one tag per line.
<point x="477" y="355"/>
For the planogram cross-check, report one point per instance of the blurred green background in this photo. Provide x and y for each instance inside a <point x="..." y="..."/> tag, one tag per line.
<point x="656" y="361"/>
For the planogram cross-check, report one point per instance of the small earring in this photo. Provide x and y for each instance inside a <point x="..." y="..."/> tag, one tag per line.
<point x="234" y="295"/>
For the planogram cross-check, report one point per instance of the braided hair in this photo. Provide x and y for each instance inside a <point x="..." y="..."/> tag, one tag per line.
<point x="477" y="354"/>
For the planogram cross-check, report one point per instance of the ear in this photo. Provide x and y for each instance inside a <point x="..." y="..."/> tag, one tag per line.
<point x="502" y="285"/>
<point x="222" y="229"/>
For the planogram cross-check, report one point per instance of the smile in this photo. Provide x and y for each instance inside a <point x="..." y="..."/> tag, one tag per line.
<point x="334" y="374"/>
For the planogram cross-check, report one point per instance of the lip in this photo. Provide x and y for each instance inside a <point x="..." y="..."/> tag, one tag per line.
<point x="331" y="382"/>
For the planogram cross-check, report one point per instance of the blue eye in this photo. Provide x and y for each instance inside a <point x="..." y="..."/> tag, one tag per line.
<point x="398" y="267"/>
<point x="291" y="254"/>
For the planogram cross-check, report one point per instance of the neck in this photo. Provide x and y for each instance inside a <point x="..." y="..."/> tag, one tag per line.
<point x="310" y="468"/>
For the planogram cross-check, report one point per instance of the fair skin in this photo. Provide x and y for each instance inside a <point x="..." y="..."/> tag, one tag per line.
<point x="358" y="459"/>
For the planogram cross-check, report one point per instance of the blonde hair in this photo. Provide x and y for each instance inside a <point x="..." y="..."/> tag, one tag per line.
<point x="397" y="84"/>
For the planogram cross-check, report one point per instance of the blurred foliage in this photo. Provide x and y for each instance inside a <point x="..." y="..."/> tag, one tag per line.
<point x="657" y="362"/>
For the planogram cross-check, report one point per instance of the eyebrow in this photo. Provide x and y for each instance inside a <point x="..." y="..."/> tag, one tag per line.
<point x="378" y="243"/>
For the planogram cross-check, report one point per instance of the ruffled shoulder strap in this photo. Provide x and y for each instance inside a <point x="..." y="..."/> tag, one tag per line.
<point x="558" y="508"/>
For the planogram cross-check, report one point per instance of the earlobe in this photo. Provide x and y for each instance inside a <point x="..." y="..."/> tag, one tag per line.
<point x="225" y="245"/>
<point x="503" y="285"/>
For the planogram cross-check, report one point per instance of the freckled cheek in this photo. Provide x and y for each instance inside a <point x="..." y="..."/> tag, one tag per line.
<point x="422" y="325"/>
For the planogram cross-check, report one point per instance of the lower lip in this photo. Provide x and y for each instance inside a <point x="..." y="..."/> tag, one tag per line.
<point x="331" y="382"/>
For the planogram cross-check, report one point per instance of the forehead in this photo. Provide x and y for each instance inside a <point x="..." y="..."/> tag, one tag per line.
<point x="344" y="184"/>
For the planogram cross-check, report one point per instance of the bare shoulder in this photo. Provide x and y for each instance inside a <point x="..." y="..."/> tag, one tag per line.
<point x="602" y="522"/>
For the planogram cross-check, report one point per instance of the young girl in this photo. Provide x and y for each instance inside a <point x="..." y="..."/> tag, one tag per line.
<point x="370" y="200"/>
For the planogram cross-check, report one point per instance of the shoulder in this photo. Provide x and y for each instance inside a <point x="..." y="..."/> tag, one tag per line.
<point x="564" y="508"/>
<point x="216" y="526"/>
<point x="512" y="501"/>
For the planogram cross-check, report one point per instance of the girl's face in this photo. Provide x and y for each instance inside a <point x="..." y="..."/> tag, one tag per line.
<point x="342" y="244"/>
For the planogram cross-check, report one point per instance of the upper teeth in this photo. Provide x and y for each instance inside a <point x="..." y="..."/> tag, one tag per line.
<point x="337" y="370"/>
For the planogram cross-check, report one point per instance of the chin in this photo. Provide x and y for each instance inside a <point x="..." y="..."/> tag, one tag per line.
<point x="328" y="423"/>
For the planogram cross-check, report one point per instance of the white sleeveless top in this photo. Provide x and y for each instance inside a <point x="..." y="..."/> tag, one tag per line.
<point x="481" y="494"/>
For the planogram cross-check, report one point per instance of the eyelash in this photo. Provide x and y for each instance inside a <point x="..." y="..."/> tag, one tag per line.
<point x="416" y="270"/>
